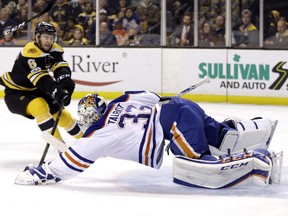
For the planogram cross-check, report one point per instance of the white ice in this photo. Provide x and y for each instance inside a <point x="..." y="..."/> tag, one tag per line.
<point x="115" y="187"/>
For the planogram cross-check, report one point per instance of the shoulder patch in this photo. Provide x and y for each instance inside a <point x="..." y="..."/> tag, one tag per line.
<point x="31" y="51"/>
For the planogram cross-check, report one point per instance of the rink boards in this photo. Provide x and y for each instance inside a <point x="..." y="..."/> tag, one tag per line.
<point x="237" y="76"/>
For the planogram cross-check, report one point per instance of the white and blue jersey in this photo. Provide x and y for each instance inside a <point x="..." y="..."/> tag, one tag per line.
<point x="134" y="128"/>
<point x="129" y="129"/>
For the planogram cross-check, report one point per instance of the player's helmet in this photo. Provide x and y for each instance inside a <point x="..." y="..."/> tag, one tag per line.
<point x="44" y="27"/>
<point x="90" y="109"/>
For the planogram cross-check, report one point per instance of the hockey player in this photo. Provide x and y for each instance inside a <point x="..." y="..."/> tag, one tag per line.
<point x="134" y="127"/>
<point x="32" y="92"/>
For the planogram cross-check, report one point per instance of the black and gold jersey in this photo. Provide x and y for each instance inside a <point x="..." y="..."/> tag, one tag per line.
<point x="32" y="66"/>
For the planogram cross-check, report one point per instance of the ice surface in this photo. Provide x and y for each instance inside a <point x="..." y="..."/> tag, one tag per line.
<point x="116" y="187"/>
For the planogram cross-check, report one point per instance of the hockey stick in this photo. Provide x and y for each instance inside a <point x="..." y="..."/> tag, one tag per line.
<point x="50" y="4"/>
<point x="52" y="133"/>
<point x="57" y="144"/>
<point x="206" y="79"/>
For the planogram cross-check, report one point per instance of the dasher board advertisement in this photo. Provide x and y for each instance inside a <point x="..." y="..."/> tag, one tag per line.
<point x="236" y="72"/>
<point x="115" y="70"/>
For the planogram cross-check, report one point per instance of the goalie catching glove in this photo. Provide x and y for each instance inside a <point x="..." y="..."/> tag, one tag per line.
<point x="34" y="176"/>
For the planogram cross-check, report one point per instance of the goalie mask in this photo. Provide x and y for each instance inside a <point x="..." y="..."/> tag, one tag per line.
<point x="90" y="109"/>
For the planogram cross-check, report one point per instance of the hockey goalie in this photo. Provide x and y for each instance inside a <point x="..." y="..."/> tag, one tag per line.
<point x="135" y="126"/>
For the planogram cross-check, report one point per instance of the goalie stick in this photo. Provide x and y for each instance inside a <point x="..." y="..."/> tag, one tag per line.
<point x="206" y="79"/>
<point x="50" y="4"/>
<point x="57" y="144"/>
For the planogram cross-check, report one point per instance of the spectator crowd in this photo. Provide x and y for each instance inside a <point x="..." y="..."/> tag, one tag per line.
<point x="138" y="23"/>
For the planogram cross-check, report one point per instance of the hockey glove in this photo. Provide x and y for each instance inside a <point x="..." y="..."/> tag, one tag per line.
<point x="67" y="84"/>
<point x="62" y="95"/>
<point x="63" y="79"/>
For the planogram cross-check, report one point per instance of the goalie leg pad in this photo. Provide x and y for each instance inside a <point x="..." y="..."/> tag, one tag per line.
<point x="228" y="142"/>
<point x="277" y="161"/>
<point x="253" y="134"/>
<point x="262" y="168"/>
<point x="249" y="135"/>
<point x="223" y="173"/>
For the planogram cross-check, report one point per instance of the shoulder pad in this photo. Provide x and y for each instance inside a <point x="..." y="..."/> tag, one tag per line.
<point x="31" y="51"/>
<point x="56" y="48"/>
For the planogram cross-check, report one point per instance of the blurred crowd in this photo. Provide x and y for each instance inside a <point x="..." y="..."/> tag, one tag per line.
<point x="138" y="23"/>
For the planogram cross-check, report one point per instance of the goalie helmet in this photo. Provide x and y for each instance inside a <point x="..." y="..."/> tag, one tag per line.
<point x="90" y="109"/>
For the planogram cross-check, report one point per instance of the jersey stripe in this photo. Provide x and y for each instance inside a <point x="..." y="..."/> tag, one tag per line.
<point x="148" y="144"/>
<point x="68" y="165"/>
<point x="10" y="84"/>
<point x="74" y="161"/>
<point x="143" y="144"/>
<point x="154" y="139"/>
<point x="35" y="76"/>
<point x="59" y="64"/>
<point x="148" y="148"/>
<point x="182" y="144"/>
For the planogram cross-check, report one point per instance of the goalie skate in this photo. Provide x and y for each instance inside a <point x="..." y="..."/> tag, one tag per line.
<point x="35" y="176"/>
<point x="277" y="161"/>
<point x="273" y="128"/>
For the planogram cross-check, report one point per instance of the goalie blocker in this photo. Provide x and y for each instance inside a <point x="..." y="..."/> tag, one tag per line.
<point x="258" y="166"/>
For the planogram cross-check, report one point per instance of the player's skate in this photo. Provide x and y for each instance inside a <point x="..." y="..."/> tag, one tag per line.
<point x="35" y="176"/>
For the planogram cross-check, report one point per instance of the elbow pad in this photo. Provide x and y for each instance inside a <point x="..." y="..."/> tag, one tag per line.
<point x="62" y="73"/>
<point x="42" y="80"/>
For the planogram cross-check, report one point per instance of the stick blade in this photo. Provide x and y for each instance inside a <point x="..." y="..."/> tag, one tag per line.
<point x="60" y="146"/>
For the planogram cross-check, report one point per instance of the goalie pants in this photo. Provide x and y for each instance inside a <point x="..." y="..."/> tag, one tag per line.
<point x="188" y="128"/>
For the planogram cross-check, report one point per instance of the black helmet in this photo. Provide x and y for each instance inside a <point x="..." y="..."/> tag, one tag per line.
<point x="44" y="27"/>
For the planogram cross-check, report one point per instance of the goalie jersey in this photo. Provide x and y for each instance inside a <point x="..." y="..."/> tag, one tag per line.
<point x="31" y="69"/>
<point x="130" y="129"/>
